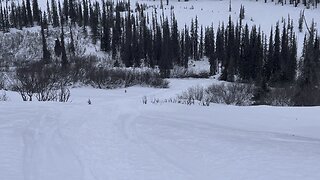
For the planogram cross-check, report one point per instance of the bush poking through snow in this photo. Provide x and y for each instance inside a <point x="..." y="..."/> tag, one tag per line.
<point x="44" y="82"/>
<point x="193" y="93"/>
<point x="144" y="100"/>
<point x="109" y="78"/>
<point x="1" y="81"/>
<point x="280" y="97"/>
<point x="3" y="96"/>
<point x="235" y="94"/>
<point x="181" y="72"/>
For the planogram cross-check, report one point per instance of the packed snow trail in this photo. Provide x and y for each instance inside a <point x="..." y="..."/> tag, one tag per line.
<point x="119" y="138"/>
<point x="43" y="143"/>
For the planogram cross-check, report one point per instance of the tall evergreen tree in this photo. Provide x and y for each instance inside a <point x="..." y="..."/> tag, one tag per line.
<point x="49" y="13"/>
<point x="46" y="53"/>
<point x="309" y="80"/>
<point x="276" y="56"/>
<point x="65" y="10"/>
<point x="210" y="49"/>
<point x="29" y="13"/>
<point x="165" y="63"/>
<point x="127" y="56"/>
<point x="187" y="47"/>
<point x="64" y="59"/>
<point x="55" y="15"/>
<point x="36" y="11"/>
<point x="201" y="46"/>
<point x="105" y="40"/>
<point x="175" y="41"/>
<point x="94" y="22"/>
<point x="72" y="11"/>
<point x="24" y="14"/>
<point x="85" y="13"/>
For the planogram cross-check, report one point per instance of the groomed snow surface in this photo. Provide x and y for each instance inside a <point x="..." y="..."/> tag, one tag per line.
<point x="118" y="137"/>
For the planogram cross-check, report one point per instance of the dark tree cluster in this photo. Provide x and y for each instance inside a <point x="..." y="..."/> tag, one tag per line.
<point x="247" y="53"/>
<point x="134" y="38"/>
<point x="308" y="86"/>
<point x="306" y="3"/>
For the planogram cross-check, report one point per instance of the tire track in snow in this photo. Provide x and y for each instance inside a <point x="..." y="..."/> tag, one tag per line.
<point x="203" y="129"/>
<point x="47" y="154"/>
<point x="127" y="124"/>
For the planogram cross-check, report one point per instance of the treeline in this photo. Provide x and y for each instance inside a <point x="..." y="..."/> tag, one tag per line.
<point x="306" y="3"/>
<point x="250" y="56"/>
<point x="134" y="38"/>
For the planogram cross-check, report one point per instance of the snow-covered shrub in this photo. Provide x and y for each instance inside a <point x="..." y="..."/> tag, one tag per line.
<point x="3" y="96"/>
<point x="1" y="81"/>
<point x="181" y="72"/>
<point x="144" y="100"/>
<point x="64" y="94"/>
<point x="81" y="67"/>
<point x="42" y="81"/>
<point x="120" y="77"/>
<point x="233" y="93"/>
<point x="193" y="93"/>
<point x="307" y="96"/>
<point x="280" y="97"/>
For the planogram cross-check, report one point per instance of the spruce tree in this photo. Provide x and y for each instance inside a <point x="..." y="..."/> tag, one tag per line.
<point x="64" y="59"/>
<point x="49" y="13"/>
<point x="29" y="13"/>
<point x="220" y="44"/>
<point x="36" y="11"/>
<point x="24" y="14"/>
<point x="276" y="56"/>
<point x="270" y="55"/>
<point x="187" y="48"/>
<point x="307" y="92"/>
<point x="80" y="15"/>
<point x="85" y="13"/>
<point x="57" y="48"/>
<point x="94" y="22"/>
<point x="66" y="10"/>
<point x="285" y="56"/>
<point x="72" y="11"/>
<point x="165" y="63"/>
<point x="46" y="53"/>
<point x="175" y="41"/>
<point x="105" y="40"/>
<point x="210" y="49"/>
<point x="71" y="47"/>
<point x="127" y="56"/>
<point x="201" y="50"/>
<point x="55" y="15"/>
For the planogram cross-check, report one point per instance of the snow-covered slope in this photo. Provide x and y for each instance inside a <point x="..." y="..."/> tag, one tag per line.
<point x="214" y="12"/>
<point x="119" y="138"/>
<point x="263" y="15"/>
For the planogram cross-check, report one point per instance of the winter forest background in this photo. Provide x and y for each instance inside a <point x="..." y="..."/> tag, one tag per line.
<point x="159" y="89"/>
<point x="108" y="44"/>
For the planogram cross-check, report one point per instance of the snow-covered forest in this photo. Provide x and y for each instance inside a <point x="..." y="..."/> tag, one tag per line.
<point x="161" y="89"/>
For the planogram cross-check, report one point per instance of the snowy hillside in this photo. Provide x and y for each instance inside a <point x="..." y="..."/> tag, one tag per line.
<point x="139" y="93"/>
<point x="216" y="12"/>
<point x="118" y="137"/>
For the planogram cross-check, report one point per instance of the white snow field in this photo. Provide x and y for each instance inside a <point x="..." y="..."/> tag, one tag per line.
<point x="120" y="138"/>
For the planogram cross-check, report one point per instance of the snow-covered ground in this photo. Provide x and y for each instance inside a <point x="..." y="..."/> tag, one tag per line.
<point x="119" y="138"/>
